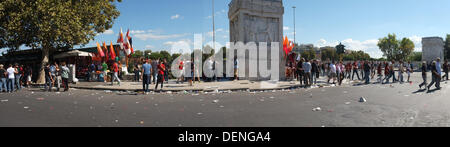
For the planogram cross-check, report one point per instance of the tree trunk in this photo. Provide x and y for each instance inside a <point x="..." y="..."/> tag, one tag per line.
<point x="41" y="77"/>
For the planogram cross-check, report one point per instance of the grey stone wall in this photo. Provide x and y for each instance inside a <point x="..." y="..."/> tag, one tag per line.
<point x="432" y="48"/>
<point x="257" y="21"/>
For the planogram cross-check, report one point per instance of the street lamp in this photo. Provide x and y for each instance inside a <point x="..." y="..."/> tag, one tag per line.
<point x="294" y="23"/>
<point x="214" y="27"/>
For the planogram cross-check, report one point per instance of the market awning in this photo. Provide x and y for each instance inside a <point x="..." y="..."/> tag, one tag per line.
<point x="72" y="53"/>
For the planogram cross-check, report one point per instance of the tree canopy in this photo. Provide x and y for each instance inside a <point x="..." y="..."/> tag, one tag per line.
<point x="395" y="49"/>
<point x="53" y="24"/>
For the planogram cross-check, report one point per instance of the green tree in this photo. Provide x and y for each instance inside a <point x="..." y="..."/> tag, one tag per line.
<point x="415" y="56"/>
<point x="309" y="54"/>
<point x="447" y="47"/>
<point x="138" y="54"/>
<point x="394" y="49"/>
<point x="405" y="49"/>
<point x="53" y="24"/>
<point x="329" y="53"/>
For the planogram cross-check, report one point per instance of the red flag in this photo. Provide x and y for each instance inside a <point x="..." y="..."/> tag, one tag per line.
<point x="126" y="44"/>
<point x="105" y="50"/>
<point x="99" y="50"/>
<point x="120" y="40"/>
<point x="112" y="52"/>
<point x="130" y="41"/>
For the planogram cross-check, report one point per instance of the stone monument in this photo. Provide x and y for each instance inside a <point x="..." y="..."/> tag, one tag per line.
<point x="258" y="21"/>
<point x="432" y="48"/>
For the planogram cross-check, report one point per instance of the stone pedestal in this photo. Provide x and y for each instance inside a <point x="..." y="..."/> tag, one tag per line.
<point x="432" y="48"/>
<point x="258" y="21"/>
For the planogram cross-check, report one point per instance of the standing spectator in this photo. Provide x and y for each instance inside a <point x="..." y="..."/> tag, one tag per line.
<point x="307" y="69"/>
<point x="314" y="72"/>
<point x="136" y="72"/>
<point x="161" y="69"/>
<point x="65" y="76"/>
<point x="53" y="74"/>
<point x="58" y="78"/>
<point x="367" y="69"/>
<point x="48" y="78"/>
<point x="3" y="73"/>
<point x="181" y="69"/>
<point x="29" y="75"/>
<point x="115" y="75"/>
<point x="446" y="68"/>
<point x="424" y="74"/>
<point x="332" y="69"/>
<point x="105" y="71"/>
<point x="355" y="70"/>
<point x="166" y="72"/>
<point x="236" y="68"/>
<point x="17" y="76"/>
<point x="91" y="72"/>
<point x="146" y="76"/>
<point x="191" y="77"/>
<point x="10" y="73"/>
<point x="435" y="76"/>
<point x="300" y="71"/>
<point x="154" y="70"/>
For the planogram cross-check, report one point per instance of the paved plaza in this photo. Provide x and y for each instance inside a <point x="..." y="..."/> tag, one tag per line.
<point x="330" y="106"/>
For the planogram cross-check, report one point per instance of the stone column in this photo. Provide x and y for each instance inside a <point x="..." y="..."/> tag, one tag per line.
<point x="258" y="21"/>
<point x="432" y="48"/>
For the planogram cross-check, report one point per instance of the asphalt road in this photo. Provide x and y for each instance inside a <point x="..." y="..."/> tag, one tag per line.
<point x="387" y="105"/>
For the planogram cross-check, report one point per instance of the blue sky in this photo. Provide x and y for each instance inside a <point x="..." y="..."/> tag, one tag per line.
<point x="158" y="24"/>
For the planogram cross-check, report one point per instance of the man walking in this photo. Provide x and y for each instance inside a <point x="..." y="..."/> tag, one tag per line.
<point x="355" y="71"/>
<point x="435" y="76"/>
<point x="424" y="74"/>
<point x="146" y="76"/>
<point x="115" y="74"/>
<point x="445" y="66"/>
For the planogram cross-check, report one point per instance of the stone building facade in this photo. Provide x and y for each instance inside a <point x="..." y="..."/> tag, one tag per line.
<point x="257" y="21"/>
<point x="432" y="48"/>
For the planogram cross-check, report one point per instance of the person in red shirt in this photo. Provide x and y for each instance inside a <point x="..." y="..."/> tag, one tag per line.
<point x="116" y="74"/>
<point x="181" y="68"/>
<point x="355" y="71"/>
<point x="161" y="69"/>
<point x="379" y="72"/>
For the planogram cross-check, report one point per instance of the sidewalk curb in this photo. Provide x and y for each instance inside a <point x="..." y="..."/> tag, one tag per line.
<point x="189" y="90"/>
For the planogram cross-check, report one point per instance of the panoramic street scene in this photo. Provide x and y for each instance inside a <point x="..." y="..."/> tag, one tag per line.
<point x="224" y="63"/>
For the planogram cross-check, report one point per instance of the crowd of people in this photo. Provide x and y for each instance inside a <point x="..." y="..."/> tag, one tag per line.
<point x="15" y="77"/>
<point x="307" y="72"/>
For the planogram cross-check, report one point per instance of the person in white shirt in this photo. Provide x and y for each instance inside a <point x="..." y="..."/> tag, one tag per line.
<point x="10" y="82"/>
<point x="332" y="72"/>
<point x="307" y="70"/>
